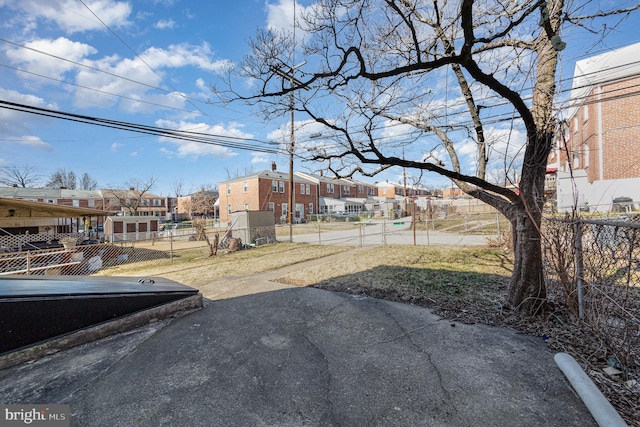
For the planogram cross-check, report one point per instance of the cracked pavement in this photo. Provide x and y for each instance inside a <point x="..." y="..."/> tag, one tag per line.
<point x="304" y="357"/>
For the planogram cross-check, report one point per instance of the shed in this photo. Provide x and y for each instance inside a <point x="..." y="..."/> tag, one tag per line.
<point x="129" y="228"/>
<point x="253" y="227"/>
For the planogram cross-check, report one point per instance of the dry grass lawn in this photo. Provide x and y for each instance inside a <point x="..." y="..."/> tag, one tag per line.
<point x="193" y="267"/>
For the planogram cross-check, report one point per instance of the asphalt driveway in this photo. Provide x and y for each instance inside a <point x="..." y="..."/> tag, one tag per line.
<point x="304" y="357"/>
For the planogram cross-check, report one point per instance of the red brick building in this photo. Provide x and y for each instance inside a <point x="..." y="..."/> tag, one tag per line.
<point x="268" y="190"/>
<point x="339" y="194"/>
<point x="597" y="153"/>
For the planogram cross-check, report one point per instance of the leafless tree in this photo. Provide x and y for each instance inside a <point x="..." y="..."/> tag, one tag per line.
<point x="177" y="188"/>
<point x="450" y="75"/>
<point x="248" y="169"/>
<point x="130" y="200"/>
<point x="25" y="177"/>
<point x="63" y="178"/>
<point x="87" y="182"/>
<point x="201" y="203"/>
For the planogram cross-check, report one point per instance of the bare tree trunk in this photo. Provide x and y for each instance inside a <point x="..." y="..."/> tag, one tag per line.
<point x="527" y="290"/>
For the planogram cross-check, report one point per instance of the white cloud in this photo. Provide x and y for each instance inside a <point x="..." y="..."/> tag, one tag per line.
<point x="395" y="131"/>
<point x="180" y="55"/>
<point x="33" y="142"/>
<point x="165" y="24"/>
<point x="71" y="16"/>
<point x="45" y="64"/>
<point x="116" y="146"/>
<point x="14" y="123"/>
<point x="259" y="158"/>
<point x="23" y="98"/>
<point x="140" y="76"/>
<point x="196" y="149"/>
<point x="200" y="84"/>
<point x="280" y="16"/>
<point x="505" y="142"/>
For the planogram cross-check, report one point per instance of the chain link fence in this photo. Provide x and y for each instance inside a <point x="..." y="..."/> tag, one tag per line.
<point x="595" y="265"/>
<point x="77" y="254"/>
<point x="84" y="257"/>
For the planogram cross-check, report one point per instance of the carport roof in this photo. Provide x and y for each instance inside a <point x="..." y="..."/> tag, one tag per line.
<point x="31" y="209"/>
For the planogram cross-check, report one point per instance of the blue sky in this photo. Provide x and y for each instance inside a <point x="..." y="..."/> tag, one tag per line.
<point x="169" y="51"/>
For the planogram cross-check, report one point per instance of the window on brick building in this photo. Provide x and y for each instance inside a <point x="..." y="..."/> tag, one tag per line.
<point x="228" y="188"/>
<point x="245" y="186"/>
<point x="274" y="186"/>
<point x="285" y="209"/>
<point x="585" y="155"/>
<point x="228" y="209"/>
<point x="310" y="208"/>
<point x="246" y="206"/>
<point x="301" y="188"/>
<point x="307" y="189"/>
<point x="272" y="206"/>
<point x="281" y="184"/>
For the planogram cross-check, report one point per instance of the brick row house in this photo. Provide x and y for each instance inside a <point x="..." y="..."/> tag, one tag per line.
<point x="313" y="194"/>
<point x="133" y="202"/>
<point x="340" y="195"/>
<point x="596" y="158"/>
<point x="268" y="190"/>
<point x="123" y="202"/>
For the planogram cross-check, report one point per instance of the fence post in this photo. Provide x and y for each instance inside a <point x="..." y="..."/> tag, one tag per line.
<point x="28" y="263"/>
<point x="579" y="265"/>
<point x="361" y="234"/>
<point x="498" y="223"/>
<point x="319" y="234"/>
<point x="171" y="246"/>
<point x="384" y="236"/>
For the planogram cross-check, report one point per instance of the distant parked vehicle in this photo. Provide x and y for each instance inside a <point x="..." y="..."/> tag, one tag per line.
<point x="623" y="204"/>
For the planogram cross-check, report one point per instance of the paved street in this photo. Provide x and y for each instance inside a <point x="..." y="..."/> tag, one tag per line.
<point x="378" y="232"/>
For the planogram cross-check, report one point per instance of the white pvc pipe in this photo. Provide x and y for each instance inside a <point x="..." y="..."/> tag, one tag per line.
<point x="601" y="409"/>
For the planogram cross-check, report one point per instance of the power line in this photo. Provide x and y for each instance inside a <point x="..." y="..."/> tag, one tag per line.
<point x="96" y="90"/>
<point x="203" y="138"/>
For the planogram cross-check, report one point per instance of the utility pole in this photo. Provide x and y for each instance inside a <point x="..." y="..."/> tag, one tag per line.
<point x="292" y="81"/>
<point x="292" y="198"/>
<point x="404" y="177"/>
